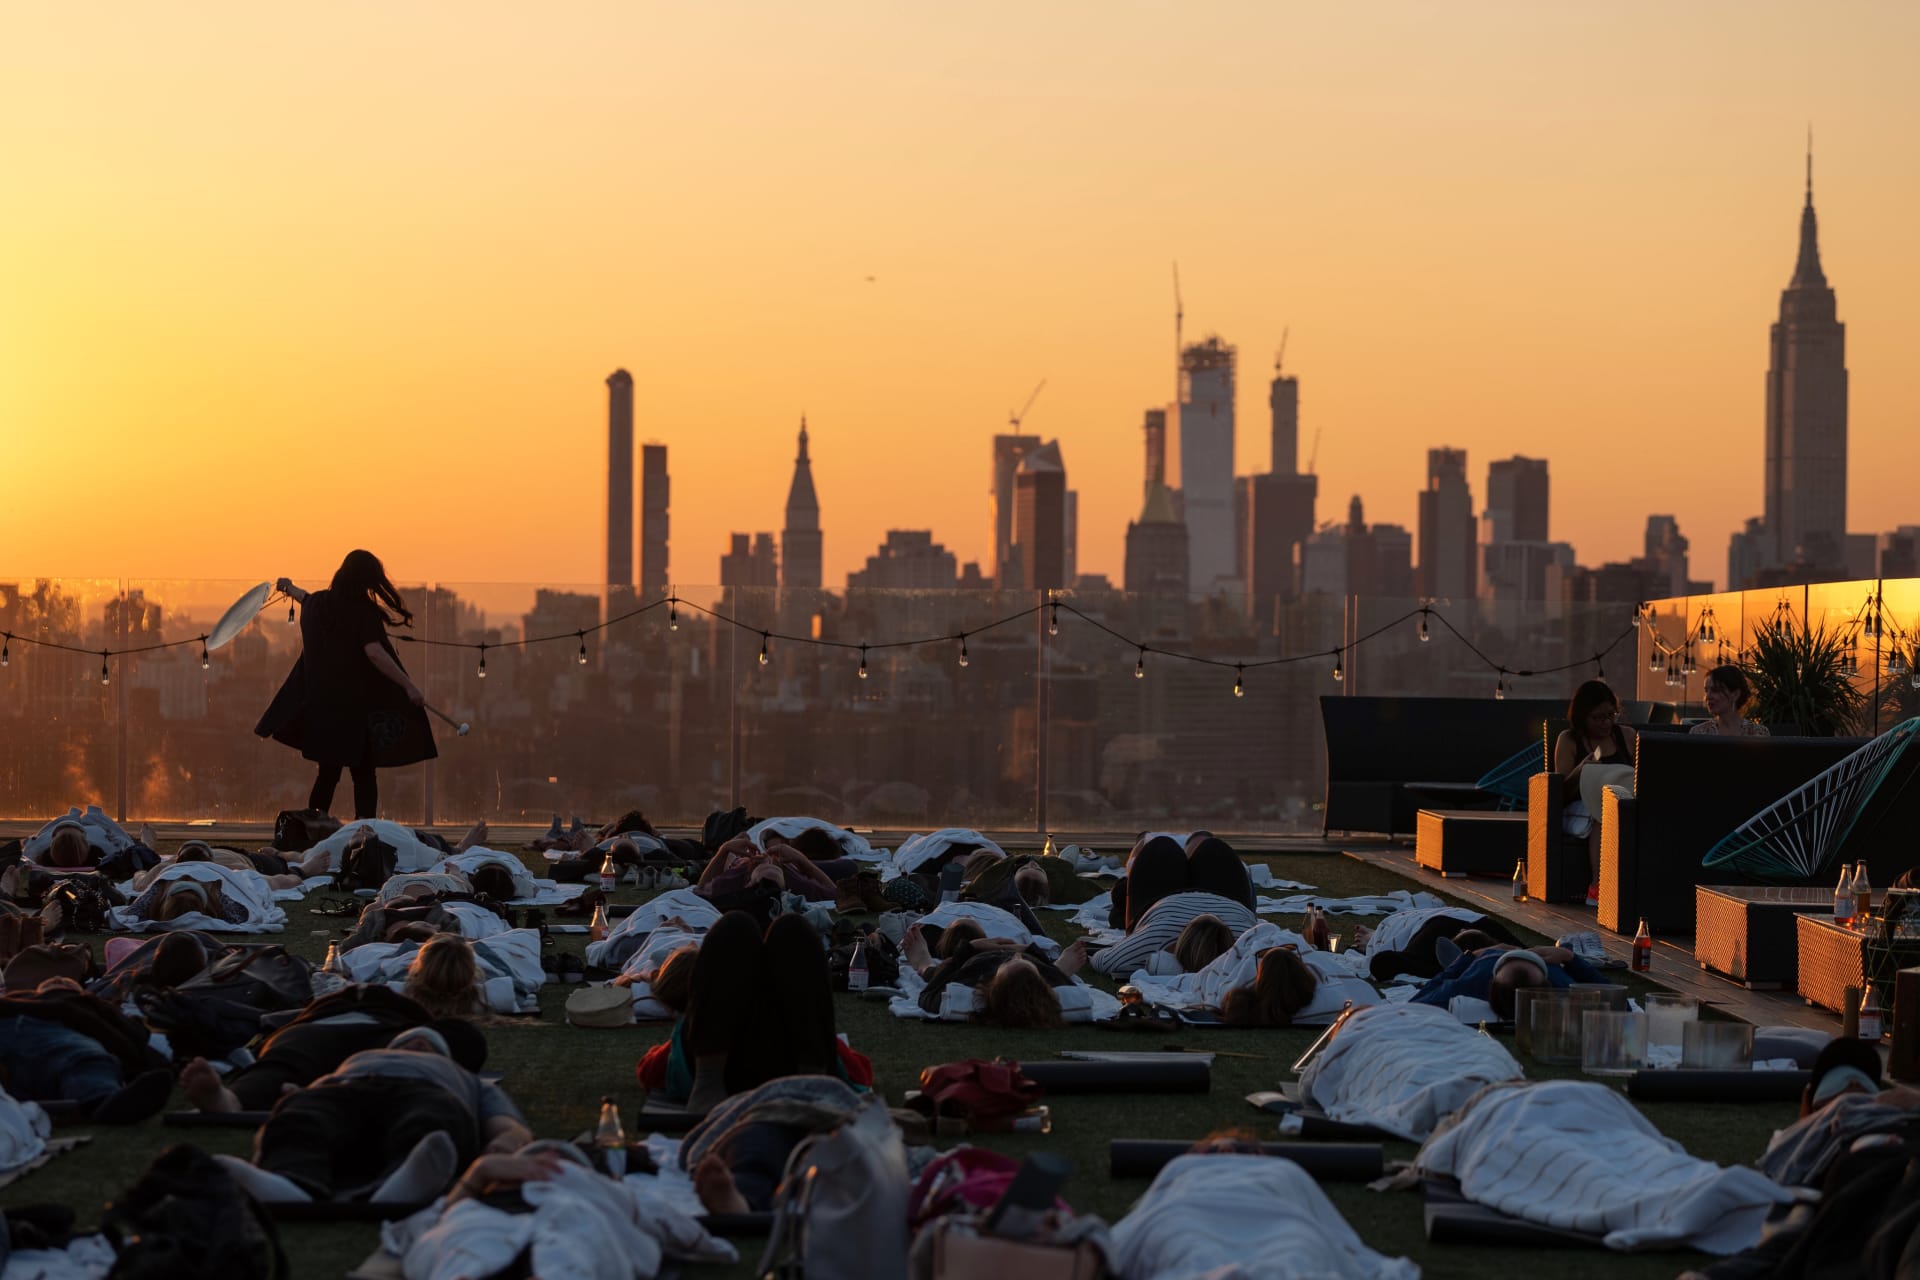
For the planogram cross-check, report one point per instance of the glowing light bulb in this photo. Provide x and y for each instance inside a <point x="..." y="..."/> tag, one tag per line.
<point x="963" y="651"/>
<point x="1239" y="683"/>
<point x="863" y="662"/>
<point x="583" y="648"/>
<point x="763" y="648"/>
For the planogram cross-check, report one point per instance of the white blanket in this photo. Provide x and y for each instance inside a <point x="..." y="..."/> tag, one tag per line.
<point x="248" y="888"/>
<point x="1243" y="1217"/>
<point x="582" y="1225"/>
<point x="1577" y="1155"/>
<point x="1334" y="985"/>
<point x="1401" y="1067"/>
<point x="104" y="835"/>
<point x="916" y="851"/>
<point x="851" y="845"/>
<point x="1078" y="1003"/>
<point x="411" y="853"/>
<point x="510" y="972"/>
<point x="653" y="913"/>
<point x="994" y="922"/>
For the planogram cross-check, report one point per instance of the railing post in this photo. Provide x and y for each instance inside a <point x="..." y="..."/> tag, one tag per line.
<point x="1043" y="716"/>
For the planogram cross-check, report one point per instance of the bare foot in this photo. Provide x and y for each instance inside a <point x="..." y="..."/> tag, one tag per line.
<point x="477" y="836"/>
<point x="714" y="1183"/>
<point x="201" y="1083"/>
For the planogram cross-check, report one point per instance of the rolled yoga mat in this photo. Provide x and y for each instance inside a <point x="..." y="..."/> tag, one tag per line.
<point x="1717" y="1086"/>
<point x="1326" y="1161"/>
<point x="1188" y="1076"/>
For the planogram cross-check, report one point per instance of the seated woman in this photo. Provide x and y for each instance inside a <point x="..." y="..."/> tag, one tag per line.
<point x="326" y="1033"/>
<point x="390" y="1125"/>
<point x="1727" y="693"/>
<point x="1013" y="986"/>
<point x="1594" y="752"/>
<point x="1162" y="866"/>
<point x="1495" y="973"/>
<point x="63" y="1045"/>
<point x="759" y="1007"/>
<point x="1406" y="941"/>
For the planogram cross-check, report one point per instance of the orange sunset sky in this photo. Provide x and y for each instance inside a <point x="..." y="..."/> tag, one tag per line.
<point x="276" y="280"/>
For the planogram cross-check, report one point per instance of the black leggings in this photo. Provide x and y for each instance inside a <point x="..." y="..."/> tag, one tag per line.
<point x="1164" y="868"/>
<point x="366" y="790"/>
<point x="764" y="1001"/>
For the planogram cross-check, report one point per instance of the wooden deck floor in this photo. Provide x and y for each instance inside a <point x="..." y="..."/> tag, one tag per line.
<point x="1673" y="963"/>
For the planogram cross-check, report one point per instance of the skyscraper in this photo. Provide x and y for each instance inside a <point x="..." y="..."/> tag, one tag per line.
<point x="1447" y="542"/>
<point x="1206" y="460"/>
<point x="1008" y="450"/>
<point x="1040" y="519"/>
<point x="1806" y="467"/>
<point x="655" y="498"/>
<point x="800" y="564"/>
<point x="620" y="479"/>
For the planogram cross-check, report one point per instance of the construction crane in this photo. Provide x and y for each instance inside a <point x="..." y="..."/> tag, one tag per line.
<point x="1015" y="419"/>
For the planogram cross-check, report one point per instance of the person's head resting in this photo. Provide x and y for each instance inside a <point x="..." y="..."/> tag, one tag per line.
<point x="673" y="980"/>
<point x="361" y="576"/>
<point x="1030" y="882"/>
<point x="1282" y="986"/>
<point x="1512" y="971"/>
<point x="955" y="937"/>
<point x="444" y="977"/>
<point x="1205" y="939"/>
<point x="69" y="847"/>
<point x="1728" y="682"/>
<point x="494" y="881"/>
<point x="1845" y="1065"/>
<point x="1018" y="997"/>
<point x="1594" y="711"/>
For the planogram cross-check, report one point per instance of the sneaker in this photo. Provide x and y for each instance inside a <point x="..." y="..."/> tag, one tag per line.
<point x="1593" y="895"/>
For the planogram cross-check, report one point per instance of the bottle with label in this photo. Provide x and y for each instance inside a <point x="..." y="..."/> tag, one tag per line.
<point x="857" y="967"/>
<point x="1843" y="896"/>
<point x="597" y="930"/>
<point x="1520" y="880"/>
<point x="611" y="1140"/>
<point x="1870" y="1014"/>
<point x="609" y="875"/>
<point x="1643" y="949"/>
<point x="1862" y="894"/>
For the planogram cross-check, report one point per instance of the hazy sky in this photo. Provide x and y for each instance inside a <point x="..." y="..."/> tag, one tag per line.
<point x="277" y="280"/>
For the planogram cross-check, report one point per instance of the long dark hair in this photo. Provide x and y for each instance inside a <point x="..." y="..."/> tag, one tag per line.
<point x="361" y="576"/>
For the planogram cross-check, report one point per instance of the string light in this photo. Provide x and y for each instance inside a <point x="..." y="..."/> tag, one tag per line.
<point x="205" y="661"/>
<point x="1239" y="681"/>
<point x="481" y="670"/>
<point x="963" y="648"/>
<point x="863" y="662"/>
<point x="1339" y="673"/>
<point x="763" y="648"/>
<point x="1053" y="619"/>
<point x="1140" y="664"/>
<point x="583" y="647"/>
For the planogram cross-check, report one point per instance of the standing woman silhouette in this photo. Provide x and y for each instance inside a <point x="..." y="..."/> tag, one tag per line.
<point x="348" y="703"/>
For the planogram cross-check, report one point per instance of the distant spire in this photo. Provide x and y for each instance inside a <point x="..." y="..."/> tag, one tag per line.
<point x="1806" y="271"/>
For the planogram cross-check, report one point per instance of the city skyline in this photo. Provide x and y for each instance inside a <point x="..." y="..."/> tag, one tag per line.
<point x="1461" y="217"/>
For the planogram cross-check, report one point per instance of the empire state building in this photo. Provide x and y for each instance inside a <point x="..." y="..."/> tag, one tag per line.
<point x="1806" y="476"/>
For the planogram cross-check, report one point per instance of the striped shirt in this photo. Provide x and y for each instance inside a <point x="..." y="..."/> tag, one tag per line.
<point x="1161" y="927"/>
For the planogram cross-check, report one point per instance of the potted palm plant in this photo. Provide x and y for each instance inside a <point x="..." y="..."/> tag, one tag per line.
<point x="1799" y="678"/>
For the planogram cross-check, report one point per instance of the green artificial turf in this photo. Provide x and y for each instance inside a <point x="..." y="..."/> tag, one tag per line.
<point x="558" y="1074"/>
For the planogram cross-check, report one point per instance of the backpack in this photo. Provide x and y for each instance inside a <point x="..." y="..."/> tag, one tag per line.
<point x="186" y="1216"/>
<point x="298" y="830"/>
<point x="841" y="1209"/>
<point x="367" y="863"/>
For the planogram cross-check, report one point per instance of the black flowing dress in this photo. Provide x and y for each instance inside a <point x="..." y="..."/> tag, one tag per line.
<point x="335" y="707"/>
